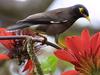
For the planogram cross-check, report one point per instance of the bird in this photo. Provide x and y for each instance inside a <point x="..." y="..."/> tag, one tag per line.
<point x="53" y="22"/>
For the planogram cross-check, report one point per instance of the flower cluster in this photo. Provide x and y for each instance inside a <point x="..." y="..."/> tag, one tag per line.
<point x="83" y="52"/>
<point x="14" y="47"/>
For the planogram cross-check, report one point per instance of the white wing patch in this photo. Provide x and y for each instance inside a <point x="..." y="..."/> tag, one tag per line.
<point x="57" y="22"/>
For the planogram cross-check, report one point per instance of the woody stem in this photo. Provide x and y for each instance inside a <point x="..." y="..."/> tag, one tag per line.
<point x="24" y="37"/>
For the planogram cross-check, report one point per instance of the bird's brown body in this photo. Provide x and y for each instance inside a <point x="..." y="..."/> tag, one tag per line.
<point x="53" y="22"/>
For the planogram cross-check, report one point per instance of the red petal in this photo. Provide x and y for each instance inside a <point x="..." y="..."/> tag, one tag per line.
<point x="71" y="72"/>
<point x="30" y="74"/>
<point x="4" y="57"/>
<point x="65" y="55"/>
<point x="85" y="40"/>
<point x="98" y="45"/>
<point x="29" y="66"/>
<point x="95" y="43"/>
<point x="74" y="43"/>
<point x="7" y="43"/>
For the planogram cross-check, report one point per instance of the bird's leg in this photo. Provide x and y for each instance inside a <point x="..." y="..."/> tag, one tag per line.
<point x="58" y="41"/>
<point x="56" y="38"/>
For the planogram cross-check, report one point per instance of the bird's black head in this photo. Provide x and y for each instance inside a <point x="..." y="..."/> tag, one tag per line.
<point x="81" y="11"/>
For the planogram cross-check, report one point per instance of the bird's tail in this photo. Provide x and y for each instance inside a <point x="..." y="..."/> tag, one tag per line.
<point x="18" y="26"/>
<point x="23" y="24"/>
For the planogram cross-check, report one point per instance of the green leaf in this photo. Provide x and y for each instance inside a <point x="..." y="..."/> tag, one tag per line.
<point x="49" y="65"/>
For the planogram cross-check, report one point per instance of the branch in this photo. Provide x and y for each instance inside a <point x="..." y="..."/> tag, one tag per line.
<point x="24" y="37"/>
<point x="30" y="48"/>
<point x="31" y="51"/>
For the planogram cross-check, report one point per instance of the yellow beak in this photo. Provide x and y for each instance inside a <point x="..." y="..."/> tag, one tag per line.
<point x="87" y="17"/>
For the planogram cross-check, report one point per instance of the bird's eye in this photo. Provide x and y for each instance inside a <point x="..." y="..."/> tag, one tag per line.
<point x="81" y="10"/>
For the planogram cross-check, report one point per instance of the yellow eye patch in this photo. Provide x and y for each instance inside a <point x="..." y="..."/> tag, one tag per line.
<point x="81" y="10"/>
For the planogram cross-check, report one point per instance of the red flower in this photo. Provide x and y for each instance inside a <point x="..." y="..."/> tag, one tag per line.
<point x="29" y="66"/>
<point x="83" y="52"/>
<point x="7" y="43"/>
<point x="71" y="72"/>
<point x="3" y="57"/>
<point x="11" y="44"/>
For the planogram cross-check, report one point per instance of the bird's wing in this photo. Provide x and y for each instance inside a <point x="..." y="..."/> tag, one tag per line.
<point x="50" y="17"/>
<point x="57" y="16"/>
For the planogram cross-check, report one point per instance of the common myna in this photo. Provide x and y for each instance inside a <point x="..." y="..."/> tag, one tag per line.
<point x="53" y="22"/>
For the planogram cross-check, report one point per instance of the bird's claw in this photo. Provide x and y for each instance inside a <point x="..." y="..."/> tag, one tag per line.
<point x="44" y="40"/>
